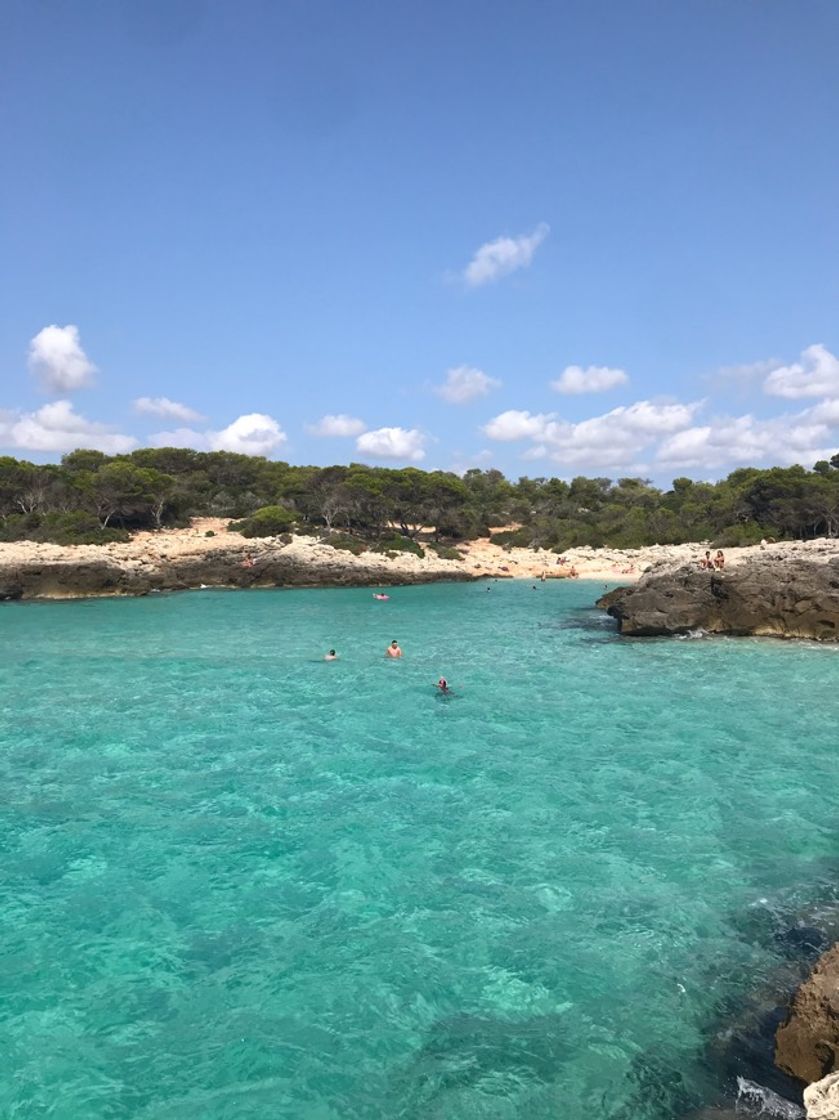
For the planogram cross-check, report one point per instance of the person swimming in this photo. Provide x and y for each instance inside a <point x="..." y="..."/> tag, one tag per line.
<point x="331" y="656"/>
<point x="393" y="649"/>
<point x="443" y="685"/>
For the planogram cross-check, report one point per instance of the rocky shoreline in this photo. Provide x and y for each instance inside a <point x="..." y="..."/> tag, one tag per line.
<point x="176" y="563"/>
<point x="789" y="591"/>
<point x="806" y="1050"/>
<point x="785" y="588"/>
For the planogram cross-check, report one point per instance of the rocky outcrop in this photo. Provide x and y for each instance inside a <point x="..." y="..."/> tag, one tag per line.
<point x="779" y="596"/>
<point x="821" y="1099"/>
<point x="95" y="571"/>
<point x="807" y="1042"/>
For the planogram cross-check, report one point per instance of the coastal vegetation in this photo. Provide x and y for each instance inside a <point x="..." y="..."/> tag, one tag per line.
<point x="92" y="497"/>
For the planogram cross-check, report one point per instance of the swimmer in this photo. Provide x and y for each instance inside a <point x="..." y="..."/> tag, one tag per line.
<point x="443" y="685"/>
<point x="393" y="649"/>
<point x="331" y="656"/>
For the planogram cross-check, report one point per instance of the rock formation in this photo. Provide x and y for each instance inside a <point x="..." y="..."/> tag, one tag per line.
<point x="821" y="1099"/>
<point x="807" y="1042"/>
<point x="781" y="596"/>
<point x="89" y="571"/>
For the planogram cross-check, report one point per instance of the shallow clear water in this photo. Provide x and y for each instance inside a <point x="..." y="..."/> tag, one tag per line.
<point x="239" y="882"/>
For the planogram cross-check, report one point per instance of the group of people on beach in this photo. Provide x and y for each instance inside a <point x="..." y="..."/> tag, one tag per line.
<point x="710" y="563"/>
<point x="394" y="652"/>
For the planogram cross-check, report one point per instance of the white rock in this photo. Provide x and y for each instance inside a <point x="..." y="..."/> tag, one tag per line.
<point x="821" y="1099"/>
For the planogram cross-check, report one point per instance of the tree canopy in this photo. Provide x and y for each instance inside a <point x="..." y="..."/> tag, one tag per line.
<point x="92" y="496"/>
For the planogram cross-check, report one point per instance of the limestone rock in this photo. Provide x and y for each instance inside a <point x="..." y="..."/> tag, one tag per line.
<point x="821" y="1099"/>
<point x="807" y="1043"/>
<point x="784" y="596"/>
<point x="94" y="571"/>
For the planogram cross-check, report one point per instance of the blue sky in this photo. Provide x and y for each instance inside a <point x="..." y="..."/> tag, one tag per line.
<point x="269" y="213"/>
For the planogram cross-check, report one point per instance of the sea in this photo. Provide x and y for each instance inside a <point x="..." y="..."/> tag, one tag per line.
<point x="239" y="882"/>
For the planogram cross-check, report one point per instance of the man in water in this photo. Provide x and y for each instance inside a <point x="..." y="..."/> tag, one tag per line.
<point x="331" y="656"/>
<point x="443" y="685"/>
<point x="393" y="649"/>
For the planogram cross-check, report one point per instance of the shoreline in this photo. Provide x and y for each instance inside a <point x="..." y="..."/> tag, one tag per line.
<point x="207" y="554"/>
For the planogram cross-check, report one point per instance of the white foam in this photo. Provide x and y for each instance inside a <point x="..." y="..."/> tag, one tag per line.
<point x="760" y="1101"/>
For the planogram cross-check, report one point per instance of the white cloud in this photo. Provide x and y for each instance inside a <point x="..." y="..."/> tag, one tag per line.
<point x="57" y="359"/>
<point x="162" y="406"/>
<point x="504" y="255"/>
<point x="517" y="424"/>
<point x="615" y="439"/>
<point x="465" y="383"/>
<point x="745" y="440"/>
<point x="592" y="379"/>
<point x="392" y="443"/>
<point x="825" y="412"/>
<point x="339" y="425"/>
<point x="56" y="427"/>
<point x="815" y="375"/>
<point x="252" y="434"/>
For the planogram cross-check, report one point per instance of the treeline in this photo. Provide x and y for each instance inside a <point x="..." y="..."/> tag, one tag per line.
<point x="91" y="497"/>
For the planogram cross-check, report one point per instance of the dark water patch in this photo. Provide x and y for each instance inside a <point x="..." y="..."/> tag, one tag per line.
<point x="479" y="1055"/>
<point x="656" y="1090"/>
<point x="582" y="618"/>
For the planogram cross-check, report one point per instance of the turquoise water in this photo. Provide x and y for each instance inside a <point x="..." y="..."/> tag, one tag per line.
<point x="241" y="883"/>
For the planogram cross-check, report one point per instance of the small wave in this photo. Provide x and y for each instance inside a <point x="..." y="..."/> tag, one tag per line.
<point x="760" y="1101"/>
<point x="692" y="635"/>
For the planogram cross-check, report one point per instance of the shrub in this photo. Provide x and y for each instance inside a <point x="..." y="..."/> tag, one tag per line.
<point x="346" y="543"/>
<point x="396" y="544"/>
<point x="266" y="522"/>
<point x="514" y="538"/>
<point x="210" y="533"/>
<point x="445" y="551"/>
<point x="740" y="535"/>
<point x="76" y="527"/>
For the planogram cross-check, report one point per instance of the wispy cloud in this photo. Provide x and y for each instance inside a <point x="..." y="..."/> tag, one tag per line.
<point x="338" y="425"/>
<point x="464" y="384"/>
<point x="162" y="406"/>
<point x="502" y="256"/>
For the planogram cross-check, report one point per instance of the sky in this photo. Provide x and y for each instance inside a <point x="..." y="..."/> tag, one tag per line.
<point x="556" y="238"/>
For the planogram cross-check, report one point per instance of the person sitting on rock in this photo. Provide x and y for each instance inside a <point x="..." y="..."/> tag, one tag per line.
<point x="719" y="560"/>
<point x="706" y="563"/>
